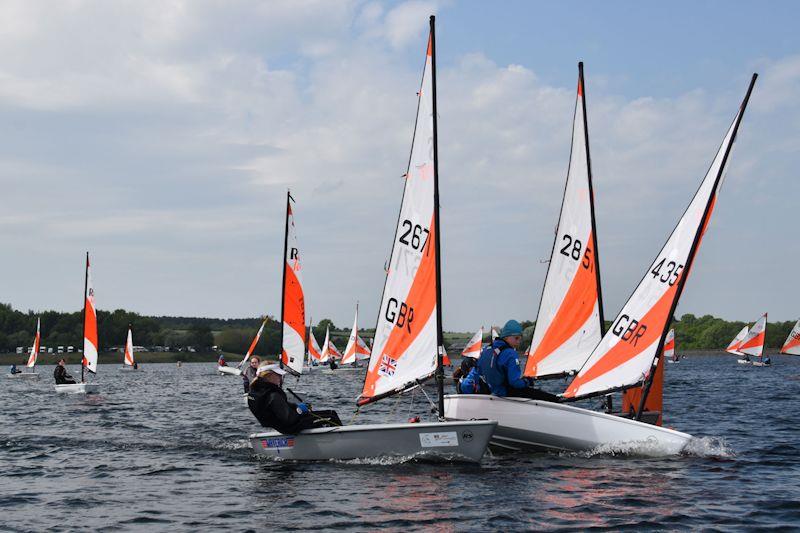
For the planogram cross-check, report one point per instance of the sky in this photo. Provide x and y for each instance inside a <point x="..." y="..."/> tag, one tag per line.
<point x="162" y="138"/>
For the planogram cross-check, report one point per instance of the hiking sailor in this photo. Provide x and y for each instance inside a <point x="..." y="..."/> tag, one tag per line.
<point x="61" y="375"/>
<point x="499" y="367"/>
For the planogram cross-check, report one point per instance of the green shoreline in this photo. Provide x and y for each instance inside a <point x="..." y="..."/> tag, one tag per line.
<point x="116" y="357"/>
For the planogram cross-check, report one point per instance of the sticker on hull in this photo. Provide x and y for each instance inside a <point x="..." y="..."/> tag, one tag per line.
<point x="440" y="439"/>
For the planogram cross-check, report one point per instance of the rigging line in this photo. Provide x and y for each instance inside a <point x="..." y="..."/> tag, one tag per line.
<point x="433" y="405"/>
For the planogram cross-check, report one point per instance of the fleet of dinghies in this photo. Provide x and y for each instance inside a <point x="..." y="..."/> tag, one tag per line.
<point x="752" y="344"/>
<point x="625" y="357"/>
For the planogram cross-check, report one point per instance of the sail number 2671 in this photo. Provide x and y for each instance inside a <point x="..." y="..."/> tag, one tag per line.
<point x="667" y="273"/>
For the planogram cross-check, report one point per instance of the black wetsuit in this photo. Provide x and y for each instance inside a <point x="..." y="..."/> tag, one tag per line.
<point x="268" y="403"/>
<point x="332" y="363"/>
<point x="61" y="376"/>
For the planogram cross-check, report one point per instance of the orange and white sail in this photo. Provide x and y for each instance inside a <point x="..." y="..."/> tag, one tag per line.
<point x="90" y="343"/>
<point x="753" y="343"/>
<point x="792" y="344"/>
<point x="404" y="349"/>
<point x="362" y="350"/>
<point x="733" y="347"/>
<point x="333" y="351"/>
<point x="474" y="345"/>
<point x="570" y="320"/>
<point x="293" y="310"/>
<point x="129" y="349"/>
<point x="253" y="344"/>
<point x="350" y="354"/>
<point x="669" y="345"/>
<point x="37" y="341"/>
<point x="628" y="352"/>
<point x="326" y="347"/>
<point x="314" y="351"/>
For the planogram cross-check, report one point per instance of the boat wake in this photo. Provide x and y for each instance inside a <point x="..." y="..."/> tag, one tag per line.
<point x="647" y="448"/>
<point x="715" y="447"/>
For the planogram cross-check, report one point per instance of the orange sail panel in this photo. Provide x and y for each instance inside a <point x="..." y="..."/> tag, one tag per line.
<point x="792" y="344"/>
<point x="294" y="310"/>
<point x="569" y="324"/>
<point x="404" y="349"/>
<point x="313" y="347"/>
<point x="631" y="398"/>
<point x="89" y="324"/>
<point x="627" y="352"/>
<point x="37" y="341"/>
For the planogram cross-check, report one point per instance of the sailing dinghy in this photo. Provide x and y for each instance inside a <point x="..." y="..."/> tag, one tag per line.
<point x="405" y="349"/>
<point x="792" y="344"/>
<point x="733" y="347"/>
<point x="753" y="342"/>
<point x="627" y="355"/>
<point x="474" y="345"/>
<point x="31" y="364"/>
<point x="128" y="362"/>
<point x="356" y="349"/>
<point x="669" y="348"/>
<point x="90" y="344"/>
<point x="237" y="370"/>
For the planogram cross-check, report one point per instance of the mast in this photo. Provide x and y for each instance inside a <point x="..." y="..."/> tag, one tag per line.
<point x="591" y="203"/>
<point x="83" y="342"/>
<point x="437" y="231"/>
<point x="283" y="271"/>
<point x="693" y="250"/>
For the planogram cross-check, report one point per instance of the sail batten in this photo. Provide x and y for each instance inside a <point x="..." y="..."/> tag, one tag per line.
<point x="626" y="354"/>
<point x="408" y="330"/>
<point x="569" y="323"/>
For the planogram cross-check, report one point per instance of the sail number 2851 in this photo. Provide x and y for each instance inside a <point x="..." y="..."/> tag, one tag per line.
<point x="413" y="235"/>
<point x="667" y="273"/>
<point x="572" y="249"/>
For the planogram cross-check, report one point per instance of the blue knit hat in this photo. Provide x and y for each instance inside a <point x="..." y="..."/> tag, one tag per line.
<point x="511" y="328"/>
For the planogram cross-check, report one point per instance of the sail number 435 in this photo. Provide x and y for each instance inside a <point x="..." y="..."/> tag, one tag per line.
<point x="667" y="273"/>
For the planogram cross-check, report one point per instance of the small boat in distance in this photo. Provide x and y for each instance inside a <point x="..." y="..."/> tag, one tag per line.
<point x="669" y="348"/>
<point x="90" y="343"/>
<point x="474" y="345"/>
<point x="753" y="342"/>
<point x="128" y="362"/>
<point x="792" y="344"/>
<point x="37" y="340"/>
<point x="733" y="347"/>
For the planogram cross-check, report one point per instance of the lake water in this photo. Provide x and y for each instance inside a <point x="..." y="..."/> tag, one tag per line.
<point x="165" y="449"/>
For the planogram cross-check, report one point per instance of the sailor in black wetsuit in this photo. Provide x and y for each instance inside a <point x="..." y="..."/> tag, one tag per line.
<point x="60" y="374"/>
<point x="268" y="403"/>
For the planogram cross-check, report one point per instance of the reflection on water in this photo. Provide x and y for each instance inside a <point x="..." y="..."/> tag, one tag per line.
<point x="167" y="447"/>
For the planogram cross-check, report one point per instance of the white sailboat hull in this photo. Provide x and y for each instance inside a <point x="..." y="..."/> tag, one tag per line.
<point x="78" y="388"/>
<point x="760" y="363"/>
<point x="455" y="441"/>
<point x="743" y="361"/>
<point x="229" y="371"/>
<point x="23" y="375"/>
<point x="534" y="425"/>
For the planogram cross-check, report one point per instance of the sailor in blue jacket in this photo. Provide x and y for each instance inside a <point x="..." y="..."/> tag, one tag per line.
<point x="499" y="366"/>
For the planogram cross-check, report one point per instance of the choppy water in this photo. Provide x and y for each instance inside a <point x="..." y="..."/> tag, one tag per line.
<point x="165" y="449"/>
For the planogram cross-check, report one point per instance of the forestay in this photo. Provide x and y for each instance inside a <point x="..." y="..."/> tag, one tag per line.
<point x="733" y="347"/>
<point x="89" y="323"/>
<point x="753" y="343"/>
<point x="627" y="352"/>
<point x="792" y="344"/>
<point x="570" y="320"/>
<point x="293" y="308"/>
<point x="405" y="346"/>
<point x="36" y="343"/>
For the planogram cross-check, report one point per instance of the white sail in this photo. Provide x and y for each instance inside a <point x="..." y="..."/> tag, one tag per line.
<point x="405" y="346"/>
<point x="753" y="343"/>
<point x="474" y="345"/>
<point x="326" y="347"/>
<point x="362" y="350"/>
<point x="90" y="339"/>
<point x="569" y="323"/>
<point x="314" y="351"/>
<point x="733" y="347"/>
<point x="626" y="354"/>
<point x="352" y="342"/>
<point x="792" y="344"/>
<point x="294" y="311"/>
<point x="128" y="360"/>
<point x="37" y="341"/>
<point x="669" y="345"/>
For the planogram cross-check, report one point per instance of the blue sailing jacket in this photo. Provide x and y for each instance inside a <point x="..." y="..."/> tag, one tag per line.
<point x="470" y="384"/>
<point x="499" y="367"/>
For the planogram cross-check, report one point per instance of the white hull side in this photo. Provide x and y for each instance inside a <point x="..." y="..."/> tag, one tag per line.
<point x="535" y="425"/>
<point x="743" y="361"/>
<point x="78" y="388"/>
<point x="760" y="363"/>
<point x="457" y="441"/>
<point x="229" y="371"/>
<point x="23" y="375"/>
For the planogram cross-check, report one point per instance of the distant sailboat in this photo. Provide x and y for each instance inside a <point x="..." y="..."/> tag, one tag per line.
<point x="473" y="347"/>
<point x="90" y="344"/>
<point x="627" y="355"/>
<point x="669" y="348"/>
<point x="792" y="344"/>
<point x="408" y="336"/>
<point x="237" y="370"/>
<point x="753" y="343"/>
<point x="356" y="349"/>
<point x="37" y="340"/>
<point x="128" y="362"/>
<point x="733" y="347"/>
<point x="314" y="351"/>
